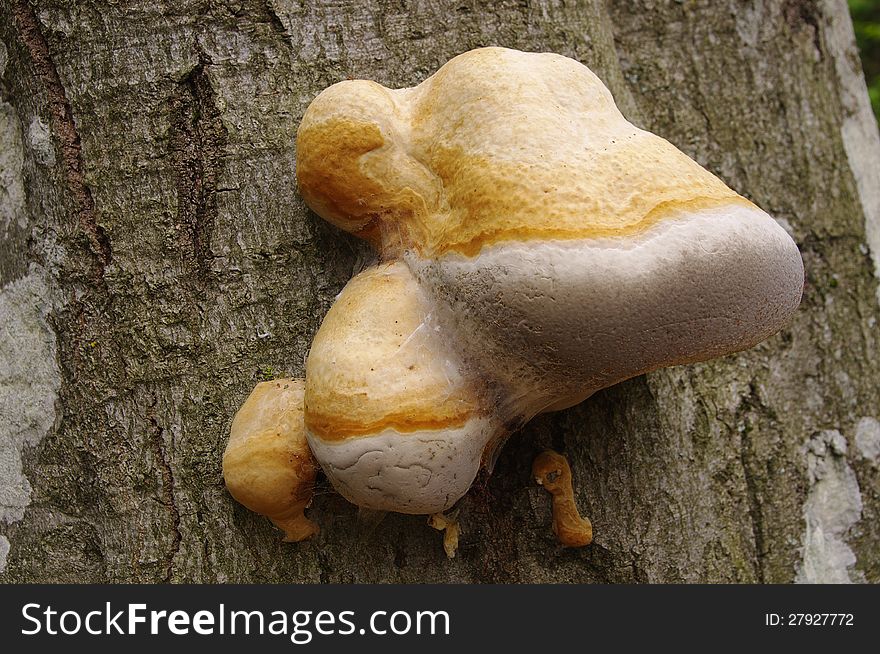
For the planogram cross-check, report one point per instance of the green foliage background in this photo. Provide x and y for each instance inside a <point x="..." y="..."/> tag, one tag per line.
<point x="866" y="19"/>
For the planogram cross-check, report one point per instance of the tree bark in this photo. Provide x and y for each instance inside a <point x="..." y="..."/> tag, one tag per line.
<point x="157" y="263"/>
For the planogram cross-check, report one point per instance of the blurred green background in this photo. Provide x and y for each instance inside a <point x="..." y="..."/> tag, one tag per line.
<point x="866" y="19"/>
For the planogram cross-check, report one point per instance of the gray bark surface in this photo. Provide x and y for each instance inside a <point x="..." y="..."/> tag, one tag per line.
<point x="157" y="262"/>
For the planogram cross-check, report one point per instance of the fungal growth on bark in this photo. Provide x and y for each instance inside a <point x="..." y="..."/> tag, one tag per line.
<point x="534" y="247"/>
<point x="551" y="470"/>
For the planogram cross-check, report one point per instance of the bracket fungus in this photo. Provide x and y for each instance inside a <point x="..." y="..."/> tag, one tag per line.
<point x="534" y="247"/>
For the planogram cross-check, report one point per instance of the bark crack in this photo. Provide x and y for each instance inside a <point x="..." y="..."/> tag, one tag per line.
<point x="752" y="490"/>
<point x="198" y="141"/>
<point x="277" y="24"/>
<point x="804" y="12"/>
<point x="65" y="132"/>
<point x="157" y="435"/>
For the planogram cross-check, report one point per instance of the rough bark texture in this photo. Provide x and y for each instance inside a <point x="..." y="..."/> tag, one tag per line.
<point x="157" y="262"/>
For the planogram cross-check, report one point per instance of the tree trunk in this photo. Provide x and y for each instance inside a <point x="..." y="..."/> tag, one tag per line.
<point x="157" y="262"/>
